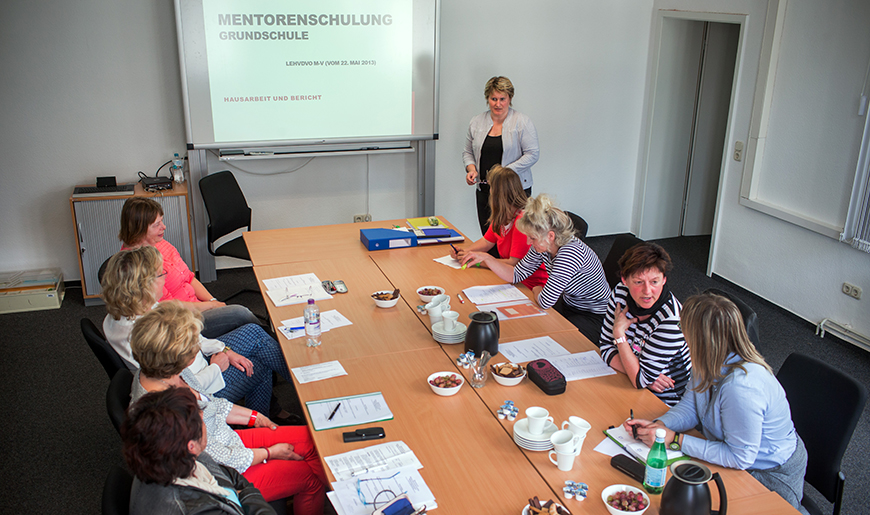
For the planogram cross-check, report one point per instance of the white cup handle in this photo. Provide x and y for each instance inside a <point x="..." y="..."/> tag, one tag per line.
<point x="548" y="418"/>
<point x="554" y="462"/>
<point x="565" y="424"/>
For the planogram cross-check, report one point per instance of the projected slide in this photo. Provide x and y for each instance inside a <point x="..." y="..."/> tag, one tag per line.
<point x="281" y="70"/>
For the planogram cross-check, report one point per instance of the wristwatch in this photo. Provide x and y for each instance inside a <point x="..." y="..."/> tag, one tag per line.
<point x="675" y="445"/>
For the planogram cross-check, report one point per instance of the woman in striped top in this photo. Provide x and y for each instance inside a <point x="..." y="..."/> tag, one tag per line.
<point x="576" y="286"/>
<point x="641" y="335"/>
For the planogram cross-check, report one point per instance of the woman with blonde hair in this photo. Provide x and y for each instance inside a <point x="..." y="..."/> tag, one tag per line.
<point x="736" y="400"/>
<point x="240" y="363"/>
<point x="499" y="136"/>
<point x="506" y="201"/>
<point x="142" y="225"/>
<point x="576" y="286"/>
<point x="279" y="461"/>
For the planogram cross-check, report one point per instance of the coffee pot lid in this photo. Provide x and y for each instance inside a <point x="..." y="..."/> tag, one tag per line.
<point x="691" y="472"/>
<point x="483" y="316"/>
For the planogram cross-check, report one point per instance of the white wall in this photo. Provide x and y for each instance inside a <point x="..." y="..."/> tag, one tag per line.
<point x="579" y="70"/>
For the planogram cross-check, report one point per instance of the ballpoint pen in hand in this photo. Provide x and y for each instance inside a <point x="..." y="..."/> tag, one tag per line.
<point x="633" y="427"/>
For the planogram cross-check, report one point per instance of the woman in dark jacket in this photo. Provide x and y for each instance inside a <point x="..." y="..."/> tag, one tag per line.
<point x="163" y="442"/>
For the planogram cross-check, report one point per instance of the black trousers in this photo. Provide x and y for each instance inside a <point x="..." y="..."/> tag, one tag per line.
<point x="587" y="323"/>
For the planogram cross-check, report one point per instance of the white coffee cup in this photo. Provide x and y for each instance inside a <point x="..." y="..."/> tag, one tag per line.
<point x="450" y="318"/>
<point x="538" y="418"/>
<point x="565" y="462"/>
<point x="577" y="425"/>
<point x="566" y="442"/>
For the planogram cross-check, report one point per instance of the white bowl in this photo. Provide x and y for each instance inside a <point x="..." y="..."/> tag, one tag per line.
<point x="386" y="303"/>
<point x="527" y="510"/>
<point x="610" y="490"/>
<point x="426" y="299"/>
<point x="506" y="381"/>
<point x="445" y="392"/>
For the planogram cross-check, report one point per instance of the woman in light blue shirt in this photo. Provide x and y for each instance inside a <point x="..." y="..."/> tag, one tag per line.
<point x="736" y="402"/>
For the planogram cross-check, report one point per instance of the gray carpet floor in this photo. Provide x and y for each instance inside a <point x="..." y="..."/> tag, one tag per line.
<point x="58" y="443"/>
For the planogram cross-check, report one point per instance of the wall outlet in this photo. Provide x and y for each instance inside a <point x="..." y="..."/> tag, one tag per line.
<point x="852" y="290"/>
<point x="359" y="218"/>
<point x="368" y="218"/>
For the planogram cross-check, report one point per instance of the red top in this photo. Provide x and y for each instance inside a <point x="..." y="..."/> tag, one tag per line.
<point x="513" y="243"/>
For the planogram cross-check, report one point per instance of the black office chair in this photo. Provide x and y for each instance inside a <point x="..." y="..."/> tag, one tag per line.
<point x="116" y="492"/>
<point x="825" y="407"/>
<point x="118" y="397"/>
<point x="228" y="211"/>
<point x="622" y="243"/>
<point x="750" y="319"/>
<point x="580" y="225"/>
<point x="102" y="270"/>
<point x="110" y="359"/>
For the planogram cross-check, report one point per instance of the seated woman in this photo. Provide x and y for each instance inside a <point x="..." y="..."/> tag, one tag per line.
<point x="279" y="461"/>
<point x="142" y="224"/>
<point x="735" y="398"/>
<point x="576" y="286"/>
<point x="163" y="442"/>
<point x="131" y="284"/>
<point x="506" y="202"/>
<point x="641" y="334"/>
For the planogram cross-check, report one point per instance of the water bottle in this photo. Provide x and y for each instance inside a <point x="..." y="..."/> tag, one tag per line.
<point x="312" y="324"/>
<point x="656" y="465"/>
<point x="178" y="168"/>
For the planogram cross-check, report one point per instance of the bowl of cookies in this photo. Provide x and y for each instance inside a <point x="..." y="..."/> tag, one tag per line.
<point x="507" y="374"/>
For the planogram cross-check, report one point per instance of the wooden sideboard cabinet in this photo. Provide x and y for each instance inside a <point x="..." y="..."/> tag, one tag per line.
<point x="97" y="221"/>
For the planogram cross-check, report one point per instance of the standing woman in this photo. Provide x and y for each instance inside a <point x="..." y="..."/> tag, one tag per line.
<point x="734" y="397"/>
<point x="142" y="224"/>
<point x="506" y="201"/>
<point x="576" y="286"/>
<point x="498" y="136"/>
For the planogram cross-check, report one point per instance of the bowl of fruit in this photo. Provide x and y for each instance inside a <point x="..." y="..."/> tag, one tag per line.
<point x="427" y="293"/>
<point x="445" y="383"/>
<point x="507" y="374"/>
<point x="624" y="499"/>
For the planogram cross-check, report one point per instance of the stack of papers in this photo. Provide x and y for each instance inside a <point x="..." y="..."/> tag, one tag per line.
<point x="582" y="365"/>
<point x="295" y="289"/>
<point x="348" y="411"/>
<point x="366" y="473"/>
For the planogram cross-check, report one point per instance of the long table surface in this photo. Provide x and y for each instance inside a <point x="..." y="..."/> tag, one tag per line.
<point x="470" y="461"/>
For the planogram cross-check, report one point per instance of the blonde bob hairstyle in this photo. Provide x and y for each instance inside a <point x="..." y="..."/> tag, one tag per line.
<point x="506" y="197"/>
<point x="500" y="84"/>
<point x="128" y="282"/>
<point x="713" y="328"/>
<point x="542" y="216"/>
<point x="166" y="339"/>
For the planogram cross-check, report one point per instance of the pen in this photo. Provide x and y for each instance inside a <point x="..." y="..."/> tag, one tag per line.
<point x="297" y="328"/>
<point x="633" y="428"/>
<point x="454" y="248"/>
<point x="460" y="298"/>
<point x="334" y="411"/>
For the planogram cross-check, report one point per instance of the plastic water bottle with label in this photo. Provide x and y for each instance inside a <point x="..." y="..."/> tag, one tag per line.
<point x="656" y="465"/>
<point x="312" y="324"/>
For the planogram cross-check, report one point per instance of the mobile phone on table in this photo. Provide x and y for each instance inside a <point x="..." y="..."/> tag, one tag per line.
<point x="628" y="466"/>
<point x="340" y="287"/>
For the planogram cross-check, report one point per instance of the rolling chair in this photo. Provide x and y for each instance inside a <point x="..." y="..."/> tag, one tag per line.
<point x="116" y="492"/>
<point x="825" y="407"/>
<point x="118" y="397"/>
<point x="110" y="359"/>
<point x="580" y="225"/>
<point x="750" y="319"/>
<point x="622" y="243"/>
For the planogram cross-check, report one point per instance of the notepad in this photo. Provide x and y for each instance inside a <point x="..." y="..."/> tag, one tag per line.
<point x="637" y="449"/>
<point x="351" y="411"/>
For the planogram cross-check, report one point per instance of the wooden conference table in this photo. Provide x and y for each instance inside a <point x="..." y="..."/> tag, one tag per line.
<point x="470" y="461"/>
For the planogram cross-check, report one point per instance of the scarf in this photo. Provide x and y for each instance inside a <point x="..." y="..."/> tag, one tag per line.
<point x="637" y="311"/>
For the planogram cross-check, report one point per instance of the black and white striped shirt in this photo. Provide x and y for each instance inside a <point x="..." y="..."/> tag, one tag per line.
<point x="657" y="342"/>
<point x="575" y="273"/>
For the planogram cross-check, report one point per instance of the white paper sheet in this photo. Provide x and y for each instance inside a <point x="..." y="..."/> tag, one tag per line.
<point x="348" y="411"/>
<point x="374" y="458"/>
<point x="449" y="261"/>
<point x="328" y="320"/>
<point x="295" y="289"/>
<point x="408" y="481"/>
<point x="523" y="351"/>
<point x="583" y="365"/>
<point x="493" y="293"/>
<point x="318" y="372"/>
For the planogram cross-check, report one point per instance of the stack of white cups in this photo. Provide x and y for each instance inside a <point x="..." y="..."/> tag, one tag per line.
<point x="568" y="442"/>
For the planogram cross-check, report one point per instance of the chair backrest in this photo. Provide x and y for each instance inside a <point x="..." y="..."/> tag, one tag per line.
<point x="110" y="359"/>
<point x="750" y="319"/>
<point x="580" y="225"/>
<point x="118" y="397"/>
<point x="102" y="270"/>
<point x="825" y="407"/>
<point x="116" y="492"/>
<point x="225" y="203"/>
<point x="622" y="243"/>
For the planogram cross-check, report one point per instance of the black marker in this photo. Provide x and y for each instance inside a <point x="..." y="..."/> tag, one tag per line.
<point x="339" y="404"/>
<point x="630" y="417"/>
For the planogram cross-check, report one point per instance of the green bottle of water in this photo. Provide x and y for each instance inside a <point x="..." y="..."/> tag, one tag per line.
<point x="656" y="465"/>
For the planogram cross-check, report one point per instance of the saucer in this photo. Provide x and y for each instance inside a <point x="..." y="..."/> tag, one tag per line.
<point x="438" y="327"/>
<point x="521" y="429"/>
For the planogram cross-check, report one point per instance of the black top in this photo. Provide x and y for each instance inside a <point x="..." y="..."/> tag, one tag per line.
<point x="490" y="154"/>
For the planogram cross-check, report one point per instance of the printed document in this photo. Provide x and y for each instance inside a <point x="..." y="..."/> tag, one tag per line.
<point x="348" y="411"/>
